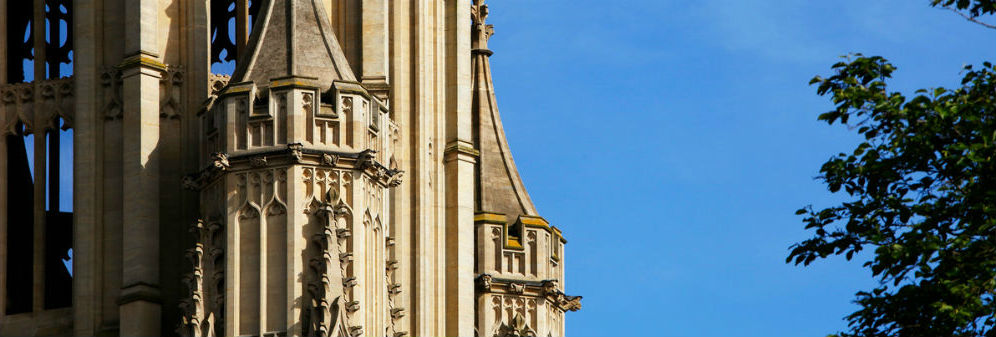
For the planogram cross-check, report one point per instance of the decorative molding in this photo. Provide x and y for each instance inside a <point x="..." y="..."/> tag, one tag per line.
<point x="200" y="317"/>
<point x="397" y="313"/>
<point x="346" y="106"/>
<point x="217" y="83"/>
<point x="517" y="327"/>
<point x="546" y="289"/>
<point x="112" y="83"/>
<point x="326" y="312"/>
<point x="258" y="161"/>
<point x="144" y="59"/>
<point x="490" y="218"/>
<point x="301" y="82"/>
<point x="308" y="103"/>
<point x="170" y="85"/>
<point x="37" y="105"/>
<point x="461" y="148"/>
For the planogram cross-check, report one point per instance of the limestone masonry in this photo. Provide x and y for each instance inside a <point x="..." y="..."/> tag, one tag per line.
<point x="351" y="177"/>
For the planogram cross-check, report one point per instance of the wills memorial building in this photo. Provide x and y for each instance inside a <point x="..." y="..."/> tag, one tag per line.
<point x="350" y="177"/>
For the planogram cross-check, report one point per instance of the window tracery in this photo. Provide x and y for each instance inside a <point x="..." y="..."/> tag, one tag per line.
<point x="38" y="136"/>
<point x="231" y="23"/>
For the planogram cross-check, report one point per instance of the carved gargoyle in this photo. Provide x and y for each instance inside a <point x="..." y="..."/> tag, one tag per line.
<point x="550" y="287"/>
<point x="220" y="161"/>
<point x="394" y="177"/>
<point x="296" y="151"/>
<point x="484" y="282"/>
<point x="365" y="159"/>
<point x="189" y="182"/>
<point x="330" y="160"/>
<point x="568" y="303"/>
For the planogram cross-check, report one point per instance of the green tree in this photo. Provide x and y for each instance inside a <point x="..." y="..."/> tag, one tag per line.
<point x="921" y="193"/>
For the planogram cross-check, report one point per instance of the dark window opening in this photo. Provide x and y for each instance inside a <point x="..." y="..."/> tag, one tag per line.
<point x="58" y="42"/>
<point x="57" y="168"/>
<point x="19" y="37"/>
<point x="223" y="33"/>
<point x="58" y="217"/>
<point x="20" y="225"/>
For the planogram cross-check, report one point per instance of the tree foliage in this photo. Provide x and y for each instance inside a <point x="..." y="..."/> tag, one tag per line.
<point x="922" y="197"/>
<point x="974" y="7"/>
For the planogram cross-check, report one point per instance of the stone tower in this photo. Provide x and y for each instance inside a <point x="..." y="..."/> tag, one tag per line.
<point x="350" y="177"/>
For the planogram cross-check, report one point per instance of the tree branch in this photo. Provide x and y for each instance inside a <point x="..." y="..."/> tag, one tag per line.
<point x="969" y="18"/>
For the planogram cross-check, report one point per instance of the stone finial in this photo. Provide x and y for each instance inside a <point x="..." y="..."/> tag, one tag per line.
<point x="482" y="31"/>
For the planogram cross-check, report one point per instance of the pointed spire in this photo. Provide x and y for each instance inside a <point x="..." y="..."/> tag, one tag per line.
<point x="500" y="189"/>
<point x="293" y="38"/>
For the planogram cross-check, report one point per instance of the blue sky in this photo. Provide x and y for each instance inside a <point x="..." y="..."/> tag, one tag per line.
<point x="672" y="141"/>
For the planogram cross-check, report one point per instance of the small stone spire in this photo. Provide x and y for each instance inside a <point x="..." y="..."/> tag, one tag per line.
<point x="500" y="189"/>
<point x="293" y="38"/>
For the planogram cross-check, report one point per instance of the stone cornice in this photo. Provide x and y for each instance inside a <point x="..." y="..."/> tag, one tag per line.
<point x="461" y="147"/>
<point x="511" y="242"/>
<point x="294" y="154"/>
<point x="303" y="82"/>
<point x="546" y="289"/>
<point x="140" y="291"/>
<point x="142" y="59"/>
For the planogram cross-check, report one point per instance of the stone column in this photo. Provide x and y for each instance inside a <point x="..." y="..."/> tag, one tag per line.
<point x="53" y="169"/>
<point x="359" y="232"/>
<point x="140" y="294"/>
<point x="460" y="158"/>
<point x="375" y="50"/>
<point x="3" y="166"/>
<point x="296" y="243"/>
<point x="88" y="230"/>
<point x="241" y="26"/>
<point x="3" y="201"/>
<point x="38" y="288"/>
<point x="427" y="284"/>
<point x="232" y="270"/>
<point x="3" y="58"/>
<point x="401" y="103"/>
<point x="141" y="70"/>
